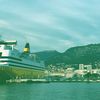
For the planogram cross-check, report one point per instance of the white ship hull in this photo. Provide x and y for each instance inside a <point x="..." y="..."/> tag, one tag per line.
<point x="14" y="64"/>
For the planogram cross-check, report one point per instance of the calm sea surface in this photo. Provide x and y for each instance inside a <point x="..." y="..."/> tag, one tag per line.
<point x="50" y="91"/>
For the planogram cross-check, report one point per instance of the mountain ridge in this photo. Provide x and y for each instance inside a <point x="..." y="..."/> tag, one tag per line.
<point x="86" y="54"/>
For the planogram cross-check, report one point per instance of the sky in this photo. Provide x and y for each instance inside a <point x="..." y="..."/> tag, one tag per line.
<point x="50" y="24"/>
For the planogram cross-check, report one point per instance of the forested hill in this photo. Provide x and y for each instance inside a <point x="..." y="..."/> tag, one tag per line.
<point x="45" y="55"/>
<point x="75" y="55"/>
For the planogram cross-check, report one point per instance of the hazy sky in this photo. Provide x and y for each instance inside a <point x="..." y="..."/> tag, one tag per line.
<point x="50" y="24"/>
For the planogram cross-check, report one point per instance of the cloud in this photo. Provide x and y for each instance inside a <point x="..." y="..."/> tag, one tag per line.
<point x="53" y="24"/>
<point x="44" y="19"/>
<point x="3" y="24"/>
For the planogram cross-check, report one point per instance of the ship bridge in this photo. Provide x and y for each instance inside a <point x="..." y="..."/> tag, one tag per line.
<point x="11" y="42"/>
<point x="7" y="45"/>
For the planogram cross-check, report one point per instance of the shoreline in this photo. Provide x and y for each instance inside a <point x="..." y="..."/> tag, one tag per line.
<point x="48" y="81"/>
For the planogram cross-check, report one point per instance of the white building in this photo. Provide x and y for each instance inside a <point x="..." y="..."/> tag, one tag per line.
<point x="69" y="72"/>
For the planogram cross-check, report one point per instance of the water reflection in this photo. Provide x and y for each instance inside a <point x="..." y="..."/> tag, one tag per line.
<point x="50" y="91"/>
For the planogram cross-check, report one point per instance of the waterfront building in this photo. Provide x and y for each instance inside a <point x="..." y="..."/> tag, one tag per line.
<point x="69" y="72"/>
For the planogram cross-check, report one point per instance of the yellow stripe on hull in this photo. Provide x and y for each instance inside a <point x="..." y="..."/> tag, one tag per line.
<point x="18" y="72"/>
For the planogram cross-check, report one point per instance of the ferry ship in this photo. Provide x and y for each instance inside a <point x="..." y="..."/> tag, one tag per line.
<point x="16" y="65"/>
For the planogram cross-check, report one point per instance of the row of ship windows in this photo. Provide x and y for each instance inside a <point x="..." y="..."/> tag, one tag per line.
<point x="11" y="58"/>
<point x="23" y="64"/>
<point x="25" y="67"/>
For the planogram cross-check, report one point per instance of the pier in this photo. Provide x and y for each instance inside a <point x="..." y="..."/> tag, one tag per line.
<point x="27" y="81"/>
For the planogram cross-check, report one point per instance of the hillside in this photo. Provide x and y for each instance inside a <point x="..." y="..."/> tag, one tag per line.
<point x="45" y="55"/>
<point x="75" y="55"/>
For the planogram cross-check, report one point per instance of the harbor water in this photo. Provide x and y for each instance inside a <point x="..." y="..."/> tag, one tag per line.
<point x="50" y="91"/>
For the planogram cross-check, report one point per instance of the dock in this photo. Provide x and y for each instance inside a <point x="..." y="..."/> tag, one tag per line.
<point x="27" y="81"/>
